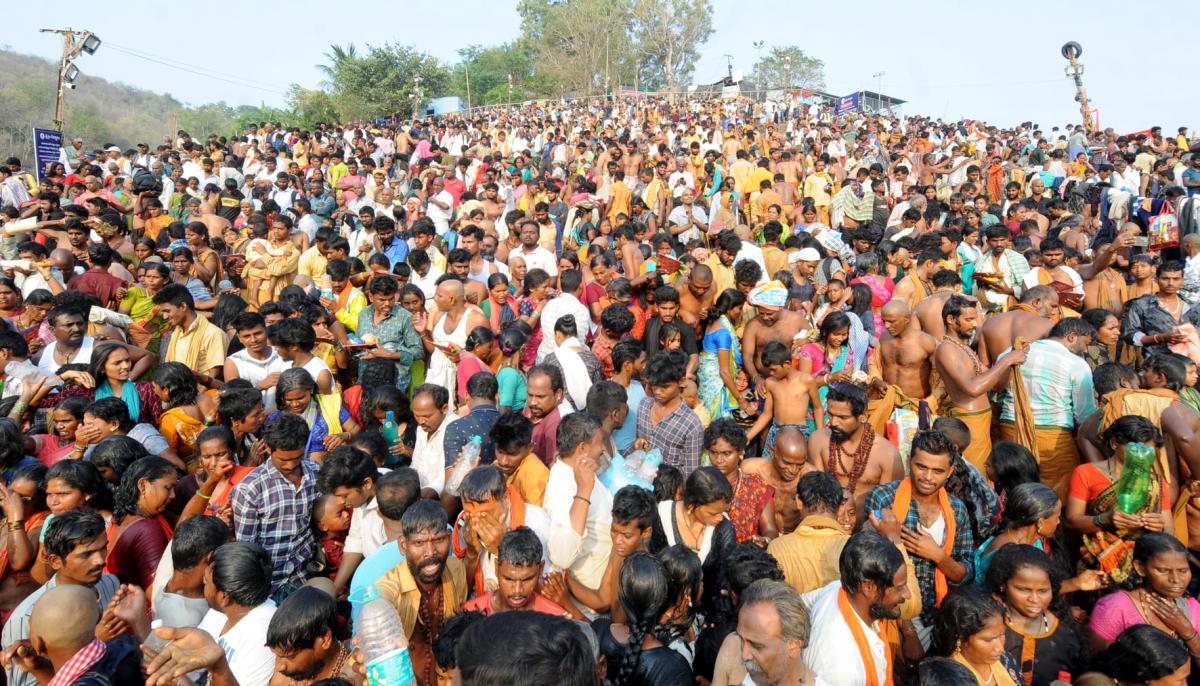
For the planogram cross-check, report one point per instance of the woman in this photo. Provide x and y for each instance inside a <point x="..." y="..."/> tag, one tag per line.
<point x="186" y="412"/>
<point x="868" y="271"/>
<point x="1108" y="533"/>
<point x="24" y="503"/>
<point x="138" y="534"/>
<point x="516" y="274"/>
<point x="1158" y="598"/>
<point x="698" y="521"/>
<point x="65" y="419"/>
<point x="1103" y="347"/>
<point x="377" y="404"/>
<point x="413" y="300"/>
<point x="721" y="359"/>
<point x="207" y="266"/>
<point x="29" y="323"/>
<point x="108" y="377"/>
<point x="1031" y="518"/>
<point x="71" y="485"/>
<point x="329" y="423"/>
<point x="219" y="473"/>
<point x="10" y="298"/>
<point x="969" y="629"/>
<point x="894" y="260"/>
<point x="271" y="262"/>
<point x="683" y="583"/>
<point x="580" y="366"/>
<point x="114" y="455"/>
<point x="474" y="358"/>
<point x="1040" y="635"/>
<point x="138" y="303"/>
<point x="529" y="308"/>
<point x="752" y="509"/>
<point x="636" y="651"/>
<point x="1009" y="465"/>
<point x="499" y="307"/>
<point x="509" y="376"/>
<point x="830" y="358"/>
<point x="143" y="249"/>
<point x="1143" y="656"/>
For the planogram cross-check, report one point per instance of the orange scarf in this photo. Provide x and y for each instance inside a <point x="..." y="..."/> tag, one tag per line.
<point x="901" y="505"/>
<point x="516" y="518"/>
<point x="860" y="639"/>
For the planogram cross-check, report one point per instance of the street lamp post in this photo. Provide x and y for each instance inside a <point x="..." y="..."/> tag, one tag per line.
<point x="417" y="97"/>
<point x="510" y="93"/>
<point x="74" y="43"/>
<point x="1072" y="51"/>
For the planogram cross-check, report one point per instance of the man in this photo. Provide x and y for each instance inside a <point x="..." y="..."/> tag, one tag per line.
<point x="664" y="420"/>
<point x="427" y="588"/>
<point x="535" y="256"/>
<point x="301" y="634"/>
<point x="667" y="300"/>
<point x="523" y="470"/>
<point x="854" y="609"/>
<point x="392" y="327"/>
<point x="97" y="281"/>
<point x="75" y="546"/>
<point x="1058" y="385"/>
<point x="725" y="251"/>
<point x="696" y="295"/>
<point x="808" y="555"/>
<point x="387" y="242"/>
<point x="349" y="475"/>
<point x="850" y="449"/>
<point x="431" y="411"/>
<point x="928" y="313"/>
<point x="966" y="378"/>
<point x="773" y="625"/>
<point x="1031" y="319"/>
<point x="771" y="322"/>
<point x="237" y="586"/>
<point x="482" y="413"/>
<point x="396" y="491"/>
<point x="490" y="508"/>
<point x="782" y="469"/>
<point x="519" y="571"/>
<point x="688" y="220"/>
<point x="347" y="302"/>
<point x="915" y="285"/>
<point x="619" y="197"/>
<point x="905" y="352"/>
<point x="194" y="341"/>
<point x="1152" y="321"/>
<point x="932" y="525"/>
<point x="999" y="273"/>
<point x="628" y="358"/>
<point x="545" y="407"/>
<point x="257" y="361"/>
<point x="180" y="600"/>
<point x="579" y="506"/>
<point x="272" y="506"/>
<point x="567" y="302"/>
<point x="1054" y="273"/>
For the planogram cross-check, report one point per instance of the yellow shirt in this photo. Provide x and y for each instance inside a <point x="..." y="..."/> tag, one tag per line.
<point x="809" y="554"/>
<point x="201" y="346"/>
<point x="722" y="275"/>
<point x="755" y="179"/>
<point x="530" y="480"/>
<point x="399" y="587"/>
<point x="312" y="265"/>
<point x="814" y="187"/>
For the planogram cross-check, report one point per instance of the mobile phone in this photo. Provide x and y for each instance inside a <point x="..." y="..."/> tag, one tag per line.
<point x="1140" y="241"/>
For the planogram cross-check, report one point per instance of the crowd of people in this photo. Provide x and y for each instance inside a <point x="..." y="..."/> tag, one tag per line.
<point x="917" y="400"/>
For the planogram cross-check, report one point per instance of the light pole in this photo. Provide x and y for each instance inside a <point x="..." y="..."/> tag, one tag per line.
<point x="1072" y="52"/>
<point x="510" y="93"/>
<point x="74" y="43"/>
<point x="467" y="69"/>
<point x="878" y="76"/>
<point x="417" y="98"/>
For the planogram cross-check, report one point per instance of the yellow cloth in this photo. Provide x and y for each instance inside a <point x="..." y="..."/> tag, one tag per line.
<point x="919" y="292"/>
<point x="347" y="313"/>
<point x="722" y="275"/>
<point x="530" y="480"/>
<point x="312" y="264"/>
<point x="980" y="425"/>
<point x="201" y="346"/>
<point x="1057" y="454"/>
<point x="400" y="588"/>
<point x="809" y="554"/>
<point x="1149" y="403"/>
<point x="181" y="429"/>
<point x="619" y="197"/>
<point x="999" y="676"/>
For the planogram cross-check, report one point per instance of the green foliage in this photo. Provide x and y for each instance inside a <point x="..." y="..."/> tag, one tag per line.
<point x="788" y="66"/>
<point x="380" y="82"/>
<point x="488" y="69"/>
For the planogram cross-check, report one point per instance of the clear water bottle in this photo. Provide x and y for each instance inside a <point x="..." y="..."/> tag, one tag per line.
<point x="153" y="641"/>
<point x="468" y="458"/>
<point x="1134" y="487"/>
<point x="390" y="429"/>
<point x="383" y="643"/>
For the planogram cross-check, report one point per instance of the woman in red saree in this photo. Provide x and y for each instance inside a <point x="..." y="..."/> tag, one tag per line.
<point x="752" y="510"/>
<point x="138" y="534"/>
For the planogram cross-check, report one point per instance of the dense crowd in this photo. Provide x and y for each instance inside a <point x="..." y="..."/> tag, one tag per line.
<point x="644" y="392"/>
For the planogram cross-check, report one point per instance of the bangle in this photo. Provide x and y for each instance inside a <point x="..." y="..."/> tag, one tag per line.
<point x="1096" y="520"/>
<point x="16" y="525"/>
<point x="200" y="495"/>
<point x="579" y="497"/>
<point x="1185" y="640"/>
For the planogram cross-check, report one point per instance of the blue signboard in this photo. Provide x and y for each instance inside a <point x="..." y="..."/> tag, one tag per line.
<point x="848" y="103"/>
<point x="47" y="146"/>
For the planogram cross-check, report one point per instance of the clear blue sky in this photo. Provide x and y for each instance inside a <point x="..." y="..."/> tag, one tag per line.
<point x="996" y="61"/>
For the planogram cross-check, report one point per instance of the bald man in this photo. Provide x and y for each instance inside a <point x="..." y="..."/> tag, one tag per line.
<point x="696" y="295"/>
<point x="905" y="352"/>
<point x="1030" y="319"/>
<point x="453" y="324"/>
<point x="782" y="469"/>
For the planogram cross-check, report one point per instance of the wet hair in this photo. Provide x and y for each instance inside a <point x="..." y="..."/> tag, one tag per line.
<point x="1132" y="429"/>
<point x="66" y="531"/>
<point x="302" y="618"/>
<point x="667" y="483"/>
<point x="345" y="467"/>
<point x="853" y="394"/>
<point x="125" y="496"/>
<point x="520" y="547"/>
<point x="1028" y="503"/>
<point x="423" y="516"/>
<point x="178" y="381"/>
<point x="942" y="671"/>
<point x="706" y="485"/>
<point x="196" y="537"/>
<point x="1108" y="377"/>
<point x="84" y="477"/>
<point x="1173" y="370"/>
<point x="396" y="491"/>
<point x="1013" y="465"/>
<point x="644" y="595"/>
<point x="820" y="492"/>
<point x="1142" y="653"/>
<point x="868" y="556"/>
<point x="1151" y="545"/>
<point x="242" y="571"/>
<point x="117" y="453"/>
<point x="286" y="431"/>
<point x="636" y="505"/>
<point x="963" y="613"/>
<point x="728" y="429"/>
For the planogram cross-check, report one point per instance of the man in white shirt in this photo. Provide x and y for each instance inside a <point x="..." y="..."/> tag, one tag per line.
<point x="566" y="303"/>
<point x="238" y="582"/>
<point x="773" y="627"/>
<point x="535" y="256"/>
<point x="441" y="205"/>
<point x="579" y="506"/>
<point x="687" y="220"/>
<point x="847" y="616"/>
<point x="349" y="475"/>
<point x="430" y="408"/>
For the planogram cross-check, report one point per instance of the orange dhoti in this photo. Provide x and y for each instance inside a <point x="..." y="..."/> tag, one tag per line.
<point x="980" y="424"/>
<point x="1057" y="454"/>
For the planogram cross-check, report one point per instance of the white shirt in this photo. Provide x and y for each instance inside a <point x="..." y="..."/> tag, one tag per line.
<point x="538" y="258"/>
<point x="830" y="652"/>
<point x="538" y="522"/>
<point x="256" y="371"/>
<point x="554" y="310"/>
<point x="440" y="217"/>
<point x="679" y="217"/>
<point x="429" y="457"/>
<point x="245" y="645"/>
<point x="585" y="555"/>
<point x="754" y="254"/>
<point x="427" y="283"/>
<point x="366" y="530"/>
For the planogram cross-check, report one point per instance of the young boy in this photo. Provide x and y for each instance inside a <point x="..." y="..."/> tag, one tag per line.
<point x="634" y="515"/>
<point x="789" y="393"/>
<point x="664" y="422"/>
<point x="512" y="434"/>
<point x="691" y="398"/>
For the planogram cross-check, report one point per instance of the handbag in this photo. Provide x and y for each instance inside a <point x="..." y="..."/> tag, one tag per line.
<point x="1164" y="230"/>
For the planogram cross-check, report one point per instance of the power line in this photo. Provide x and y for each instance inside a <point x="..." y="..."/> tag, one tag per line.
<point x="143" y="53"/>
<point x="198" y="73"/>
<point x="998" y="85"/>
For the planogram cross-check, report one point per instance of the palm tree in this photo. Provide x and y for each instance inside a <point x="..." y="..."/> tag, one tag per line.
<point x="334" y="59"/>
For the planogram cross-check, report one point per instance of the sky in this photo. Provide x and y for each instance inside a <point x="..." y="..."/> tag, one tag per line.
<point x="998" y="62"/>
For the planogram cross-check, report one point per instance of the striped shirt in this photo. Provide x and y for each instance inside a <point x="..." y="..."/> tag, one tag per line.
<point x="1059" y="384"/>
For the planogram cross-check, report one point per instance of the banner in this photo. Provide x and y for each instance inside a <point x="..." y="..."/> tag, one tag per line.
<point x="848" y="103"/>
<point x="47" y="146"/>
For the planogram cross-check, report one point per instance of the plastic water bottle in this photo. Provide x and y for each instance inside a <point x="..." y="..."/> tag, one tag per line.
<point x="153" y="642"/>
<point x="383" y="643"/>
<point x="1064" y="679"/>
<point x="1134" y="487"/>
<point x="469" y="457"/>
<point x="390" y="429"/>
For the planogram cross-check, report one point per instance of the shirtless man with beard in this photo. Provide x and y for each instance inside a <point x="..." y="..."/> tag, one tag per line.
<point x="927" y="314"/>
<point x="787" y="462"/>
<point x="1031" y="319"/>
<point x="905" y="352"/>
<point x="966" y="377"/>
<point x="850" y="449"/>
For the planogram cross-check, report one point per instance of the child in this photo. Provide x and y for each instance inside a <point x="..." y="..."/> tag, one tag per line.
<point x="789" y="393"/>
<point x="331" y="521"/>
<point x="668" y="484"/>
<point x="664" y="407"/>
<point x="691" y="396"/>
<point x="635" y="528"/>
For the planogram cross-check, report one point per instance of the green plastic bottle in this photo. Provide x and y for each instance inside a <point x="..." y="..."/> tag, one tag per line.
<point x="1134" y="487"/>
<point x="390" y="429"/>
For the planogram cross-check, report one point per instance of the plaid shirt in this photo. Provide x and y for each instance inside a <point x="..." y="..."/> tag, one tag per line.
<point x="271" y="511"/>
<point x="79" y="663"/>
<point x="678" y="436"/>
<point x="881" y="498"/>
<point x="1059" y="384"/>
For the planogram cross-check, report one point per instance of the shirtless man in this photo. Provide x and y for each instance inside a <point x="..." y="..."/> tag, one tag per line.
<point x="696" y="295"/>
<point x="1054" y="273"/>
<point x="216" y="223"/>
<point x="914" y="287"/>
<point x="905" y="352"/>
<point x="786" y="463"/>
<point x="770" y="324"/>
<point x="1031" y="319"/>
<point x="850" y="449"/>
<point x="966" y="378"/>
<point x="927" y="315"/>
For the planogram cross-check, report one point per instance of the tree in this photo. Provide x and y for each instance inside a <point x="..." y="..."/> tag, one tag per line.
<point x="380" y="83"/>
<point x="335" y="58"/>
<point x="311" y="106"/>
<point x="579" y="46"/>
<point x="788" y="67"/>
<point x="667" y="39"/>
<point x="488" y="69"/>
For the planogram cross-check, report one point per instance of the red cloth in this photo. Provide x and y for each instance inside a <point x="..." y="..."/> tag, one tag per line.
<point x="749" y="500"/>
<point x="545" y="436"/>
<point x="100" y="284"/>
<point x="133" y="557"/>
<point x="483" y="603"/>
